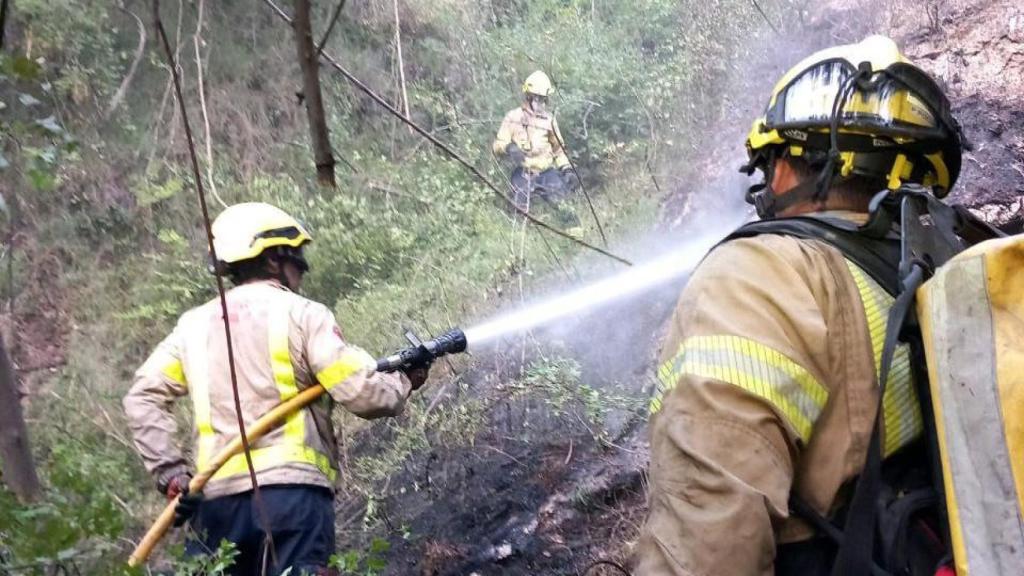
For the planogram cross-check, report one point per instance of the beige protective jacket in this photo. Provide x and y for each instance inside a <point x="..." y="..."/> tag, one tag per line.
<point x="536" y="135"/>
<point x="283" y="343"/>
<point x="768" y="384"/>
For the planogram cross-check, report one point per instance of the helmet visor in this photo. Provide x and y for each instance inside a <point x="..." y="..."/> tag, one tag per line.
<point x="887" y="107"/>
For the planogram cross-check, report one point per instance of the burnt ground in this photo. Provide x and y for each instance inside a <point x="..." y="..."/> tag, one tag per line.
<point x="543" y="489"/>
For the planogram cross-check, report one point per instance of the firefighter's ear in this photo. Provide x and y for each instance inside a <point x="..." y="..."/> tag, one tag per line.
<point x="784" y="176"/>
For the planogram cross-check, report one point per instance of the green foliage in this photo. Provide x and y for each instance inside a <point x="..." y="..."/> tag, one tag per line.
<point x="216" y="563"/>
<point x="368" y="562"/>
<point x="557" y="381"/>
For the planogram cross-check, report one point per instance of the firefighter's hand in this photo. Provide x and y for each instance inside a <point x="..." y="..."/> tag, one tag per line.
<point x="417" y="376"/>
<point x="515" y="154"/>
<point x="187" y="506"/>
<point x="177" y="485"/>
<point x="572" y="182"/>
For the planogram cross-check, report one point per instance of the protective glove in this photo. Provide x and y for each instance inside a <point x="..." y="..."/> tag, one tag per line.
<point x="417" y="376"/>
<point x="515" y="154"/>
<point x="188" y="503"/>
<point x="572" y="181"/>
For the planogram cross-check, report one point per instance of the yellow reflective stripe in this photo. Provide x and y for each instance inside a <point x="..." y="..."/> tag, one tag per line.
<point x="274" y="456"/>
<point x="200" y="391"/>
<point x="764" y="372"/>
<point x="901" y="410"/>
<point x="175" y="371"/>
<point x="352" y="361"/>
<point x="279" y="328"/>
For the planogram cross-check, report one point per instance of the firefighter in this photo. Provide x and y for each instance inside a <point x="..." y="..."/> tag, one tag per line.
<point x="768" y="378"/>
<point x="282" y="343"/>
<point x="530" y="139"/>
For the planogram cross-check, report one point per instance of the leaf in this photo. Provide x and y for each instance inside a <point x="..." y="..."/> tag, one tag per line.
<point x="28" y="100"/>
<point x="25" y="68"/>
<point x="51" y="125"/>
<point x="41" y="180"/>
<point x="379" y="545"/>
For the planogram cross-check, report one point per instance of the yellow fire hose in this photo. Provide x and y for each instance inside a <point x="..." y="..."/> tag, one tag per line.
<point x="265" y="424"/>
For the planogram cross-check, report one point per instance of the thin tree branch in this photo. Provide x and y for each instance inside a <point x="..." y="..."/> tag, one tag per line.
<point x="765" y="16"/>
<point x="401" y="63"/>
<point x="448" y="150"/>
<point x="593" y="212"/>
<point x="330" y="28"/>
<point x="140" y="51"/>
<point x="197" y="40"/>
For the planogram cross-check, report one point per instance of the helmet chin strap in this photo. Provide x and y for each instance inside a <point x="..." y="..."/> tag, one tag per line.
<point x="769" y="204"/>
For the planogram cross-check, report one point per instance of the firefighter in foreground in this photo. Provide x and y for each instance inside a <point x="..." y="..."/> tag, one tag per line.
<point x="529" y="138"/>
<point x="769" y="375"/>
<point x="283" y="343"/>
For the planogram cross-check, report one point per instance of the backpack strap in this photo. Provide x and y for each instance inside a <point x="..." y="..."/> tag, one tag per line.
<point x="878" y="256"/>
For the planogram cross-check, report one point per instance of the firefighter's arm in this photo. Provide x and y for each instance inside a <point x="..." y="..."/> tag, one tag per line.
<point x="348" y="372"/>
<point x="148" y="406"/>
<point x="555" y="137"/>
<point x="504" y="137"/>
<point x="739" y="392"/>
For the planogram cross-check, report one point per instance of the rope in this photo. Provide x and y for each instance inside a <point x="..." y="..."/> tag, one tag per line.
<point x="452" y="154"/>
<point x="265" y="525"/>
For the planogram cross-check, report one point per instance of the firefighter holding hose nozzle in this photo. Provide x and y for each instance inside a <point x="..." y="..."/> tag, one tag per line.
<point x="283" y="344"/>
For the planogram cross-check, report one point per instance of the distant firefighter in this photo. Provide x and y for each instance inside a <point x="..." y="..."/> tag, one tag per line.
<point x="530" y="139"/>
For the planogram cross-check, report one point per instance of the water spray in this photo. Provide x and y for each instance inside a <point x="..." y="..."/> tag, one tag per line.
<point x="628" y="283"/>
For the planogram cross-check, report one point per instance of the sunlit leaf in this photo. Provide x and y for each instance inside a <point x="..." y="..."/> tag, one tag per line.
<point x="51" y="125"/>
<point x="28" y="100"/>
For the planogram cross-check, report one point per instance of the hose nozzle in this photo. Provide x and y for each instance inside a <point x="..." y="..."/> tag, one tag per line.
<point x="421" y="354"/>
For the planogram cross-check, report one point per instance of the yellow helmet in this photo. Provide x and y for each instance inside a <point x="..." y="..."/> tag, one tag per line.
<point x="538" y="83"/>
<point x="862" y="109"/>
<point x="244" y="231"/>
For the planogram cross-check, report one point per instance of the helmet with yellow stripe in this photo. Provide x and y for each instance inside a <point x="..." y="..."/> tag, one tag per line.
<point x="246" y="231"/>
<point x="860" y="110"/>
<point x="538" y="84"/>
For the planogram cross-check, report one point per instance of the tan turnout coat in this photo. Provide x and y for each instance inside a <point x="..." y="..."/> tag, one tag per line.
<point x="768" y="383"/>
<point x="283" y="343"/>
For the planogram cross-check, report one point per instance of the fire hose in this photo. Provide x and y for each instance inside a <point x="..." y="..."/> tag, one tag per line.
<point x="419" y="354"/>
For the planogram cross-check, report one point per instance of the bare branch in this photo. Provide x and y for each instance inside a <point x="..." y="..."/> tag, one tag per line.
<point x="330" y="28"/>
<point x="197" y="40"/>
<point x="140" y="51"/>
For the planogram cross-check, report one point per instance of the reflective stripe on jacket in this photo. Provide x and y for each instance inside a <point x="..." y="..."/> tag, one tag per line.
<point x="767" y="384"/>
<point x="536" y="135"/>
<point x="283" y="343"/>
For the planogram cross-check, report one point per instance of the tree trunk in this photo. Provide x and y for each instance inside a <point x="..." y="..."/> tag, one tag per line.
<point x="309" y="62"/>
<point x="3" y="21"/>
<point x="19" y="471"/>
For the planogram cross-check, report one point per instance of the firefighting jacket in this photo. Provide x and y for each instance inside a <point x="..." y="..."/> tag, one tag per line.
<point x="283" y="343"/>
<point x="767" y="384"/>
<point x="536" y="135"/>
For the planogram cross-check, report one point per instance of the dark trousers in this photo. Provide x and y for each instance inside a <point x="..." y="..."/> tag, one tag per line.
<point x="301" y="521"/>
<point x="548" y="185"/>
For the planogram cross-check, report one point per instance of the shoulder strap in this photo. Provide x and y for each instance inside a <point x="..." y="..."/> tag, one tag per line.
<point x="879" y="257"/>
